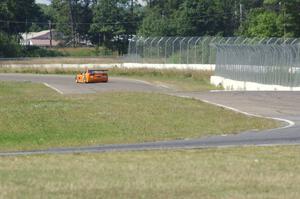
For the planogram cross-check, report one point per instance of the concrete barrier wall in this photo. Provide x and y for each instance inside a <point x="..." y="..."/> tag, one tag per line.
<point x="61" y="65"/>
<point x="234" y="85"/>
<point x="210" y="67"/>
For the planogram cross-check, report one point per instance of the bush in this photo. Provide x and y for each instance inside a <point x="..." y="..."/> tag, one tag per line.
<point x="34" y="51"/>
<point x="9" y="46"/>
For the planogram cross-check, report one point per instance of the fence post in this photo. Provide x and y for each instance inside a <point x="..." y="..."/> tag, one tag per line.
<point x="181" y="49"/>
<point x="188" y="50"/>
<point x="158" y="47"/>
<point x="268" y="42"/>
<point x="244" y="41"/>
<point x="166" y="45"/>
<point x="261" y="41"/>
<point x="136" y="50"/>
<point x="129" y="47"/>
<point x="151" y="46"/>
<point x="144" y="50"/>
<point x="276" y="42"/>
<point x="205" y="39"/>
<point x="210" y="49"/>
<point x="196" y="43"/>
<point x="173" y="47"/>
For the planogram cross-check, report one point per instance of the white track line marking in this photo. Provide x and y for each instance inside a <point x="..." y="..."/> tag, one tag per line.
<point x="52" y="87"/>
<point x="151" y="84"/>
<point x="143" y="82"/>
<point x="134" y="80"/>
<point x="289" y="122"/>
<point x="164" y="86"/>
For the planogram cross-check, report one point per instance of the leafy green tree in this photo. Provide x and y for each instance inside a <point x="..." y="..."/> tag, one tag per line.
<point x="133" y="15"/>
<point x="190" y="18"/>
<point x="107" y="20"/>
<point x="16" y="15"/>
<point x="61" y="17"/>
<point x="263" y="24"/>
<point x="9" y="46"/>
<point x="84" y="18"/>
<point x="5" y="15"/>
<point x="113" y="23"/>
<point x="291" y="9"/>
<point x="72" y="18"/>
<point x="275" y="18"/>
<point x="204" y="17"/>
<point x="41" y="19"/>
<point x="158" y="19"/>
<point x="156" y="24"/>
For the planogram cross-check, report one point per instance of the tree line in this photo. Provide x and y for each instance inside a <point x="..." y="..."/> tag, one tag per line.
<point x="111" y="23"/>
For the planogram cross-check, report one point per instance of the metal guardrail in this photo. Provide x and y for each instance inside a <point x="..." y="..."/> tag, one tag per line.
<point x="188" y="50"/>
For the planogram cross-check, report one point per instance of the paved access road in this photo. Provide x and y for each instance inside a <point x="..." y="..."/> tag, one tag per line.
<point x="284" y="105"/>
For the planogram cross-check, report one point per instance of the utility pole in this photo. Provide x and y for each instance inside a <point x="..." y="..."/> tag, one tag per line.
<point x="235" y="8"/>
<point x="236" y="19"/>
<point x="131" y="7"/>
<point x="26" y="41"/>
<point x="284" y="20"/>
<point x="241" y="13"/>
<point x="283" y="10"/>
<point x="50" y="28"/>
<point x="72" y="22"/>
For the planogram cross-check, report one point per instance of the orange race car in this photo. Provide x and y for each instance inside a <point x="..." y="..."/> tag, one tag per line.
<point x="92" y="76"/>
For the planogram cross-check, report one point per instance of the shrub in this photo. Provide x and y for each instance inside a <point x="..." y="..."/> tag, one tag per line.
<point x="9" y="46"/>
<point x="34" y="51"/>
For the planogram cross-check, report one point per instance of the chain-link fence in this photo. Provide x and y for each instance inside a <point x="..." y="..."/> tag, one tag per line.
<point x="275" y="64"/>
<point x="187" y="50"/>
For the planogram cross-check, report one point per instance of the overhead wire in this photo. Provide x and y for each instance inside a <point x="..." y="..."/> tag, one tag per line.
<point x="202" y="16"/>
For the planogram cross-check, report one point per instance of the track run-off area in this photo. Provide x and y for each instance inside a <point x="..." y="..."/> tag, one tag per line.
<point x="283" y="106"/>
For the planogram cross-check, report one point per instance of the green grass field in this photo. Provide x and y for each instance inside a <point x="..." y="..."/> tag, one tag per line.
<point x="33" y="116"/>
<point x="187" y="80"/>
<point x="244" y="173"/>
<point x="86" y="52"/>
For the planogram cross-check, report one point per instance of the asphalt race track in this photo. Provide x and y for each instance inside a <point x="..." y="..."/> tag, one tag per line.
<point x="282" y="105"/>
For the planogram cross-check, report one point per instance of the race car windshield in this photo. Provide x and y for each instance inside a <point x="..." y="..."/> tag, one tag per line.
<point x="96" y="72"/>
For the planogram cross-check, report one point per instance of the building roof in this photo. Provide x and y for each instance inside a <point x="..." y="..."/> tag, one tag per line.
<point x="32" y="35"/>
<point x="41" y="38"/>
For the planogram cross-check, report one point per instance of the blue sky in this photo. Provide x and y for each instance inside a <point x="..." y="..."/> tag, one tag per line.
<point x="43" y="1"/>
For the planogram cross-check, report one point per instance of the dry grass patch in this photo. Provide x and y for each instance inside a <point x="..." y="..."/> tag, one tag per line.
<point x="264" y="172"/>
